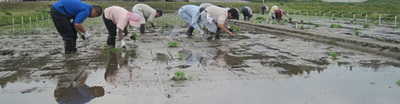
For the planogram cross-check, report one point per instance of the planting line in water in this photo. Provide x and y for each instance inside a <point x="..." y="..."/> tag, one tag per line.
<point x="205" y="69"/>
<point x="158" y="76"/>
<point x="230" y="69"/>
<point x="375" y="47"/>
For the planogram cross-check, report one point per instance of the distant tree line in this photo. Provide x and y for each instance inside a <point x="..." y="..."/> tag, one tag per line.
<point x="260" y="1"/>
<point x="120" y="0"/>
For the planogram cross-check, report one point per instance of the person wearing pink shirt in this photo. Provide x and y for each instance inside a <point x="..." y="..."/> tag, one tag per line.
<point x="116" y="17"/>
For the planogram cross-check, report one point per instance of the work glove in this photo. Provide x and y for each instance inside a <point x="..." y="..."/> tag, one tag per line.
<point x="133" y="38"/>
<point x="152" y="25"/>
<point x="85" y="35"/>
<point x="201" y="32"/>
<point x="123" y="45"/>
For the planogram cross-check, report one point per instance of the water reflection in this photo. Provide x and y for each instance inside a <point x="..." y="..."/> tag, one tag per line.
<point x="162" y="58"/>
<point x="119" y="68"/>
<point x="291" y="69"/>
<point x="191" y="57"/>
<point x="77" y="92"/>
<point x="16" y="68"/>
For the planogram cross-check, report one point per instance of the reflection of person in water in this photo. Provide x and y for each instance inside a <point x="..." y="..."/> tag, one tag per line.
<point x="78" y="92"/>
<point x="220" y="57"/>
<point x="115" y="71"/>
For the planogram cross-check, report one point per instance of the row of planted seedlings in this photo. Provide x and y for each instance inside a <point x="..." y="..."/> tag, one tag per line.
<point x="356" y="31"/>
<point x="262" y="19"/>
<point x="304" y="25"/>
<point x="29" y="25"/>
<point x="179" y="75"/>
<point x="333" y="25"/>
<point x="390" y="19"/>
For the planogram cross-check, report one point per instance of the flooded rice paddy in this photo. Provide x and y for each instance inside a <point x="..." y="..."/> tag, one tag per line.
<point x="256" y="69"/>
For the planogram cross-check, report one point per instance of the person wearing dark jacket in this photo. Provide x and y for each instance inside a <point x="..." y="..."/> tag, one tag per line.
<point x="247" y="13"/>
<point x="77" y="92"/>
<point x="264" y="8"/>
<point x="65" y="10"/>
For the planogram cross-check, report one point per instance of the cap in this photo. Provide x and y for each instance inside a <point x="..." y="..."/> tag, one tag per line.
<point x="134" y="19"/>
<point x="235" y="13"/>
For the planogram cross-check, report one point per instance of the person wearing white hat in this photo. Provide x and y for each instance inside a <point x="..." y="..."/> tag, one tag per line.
<point x="147" y="14"/>
<point x="272" y="12"/>
<point x="117" y="17"/>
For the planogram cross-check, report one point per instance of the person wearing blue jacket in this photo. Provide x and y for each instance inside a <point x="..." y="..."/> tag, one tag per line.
<point x="65" y="10"/>
<point x="77" y="92"/>
<point x="191" y="15"/>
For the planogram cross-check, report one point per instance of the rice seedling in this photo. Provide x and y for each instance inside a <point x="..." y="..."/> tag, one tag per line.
<point x="382" y="39"/>
<point x="333" y="25"/>
<point x="281" y="23"/>
<point x="357" y="33"/>
<point x="336" y="26"/>
<point x="339" y="26"/>
<point x="179" y="75"/>
<point x="261" y="18"/>
<point x="335" y="55"/>
<point x="366" y="25"/>
<point x="173" y="44"/>
<point x="236" y="28"/>
<point x="181" y="56"/>
<point x="116" y="49"/>
<point x="105" y="46"/>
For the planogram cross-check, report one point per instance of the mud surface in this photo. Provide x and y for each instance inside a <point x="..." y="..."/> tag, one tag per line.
<point x="373" y="32"/>
<point x="263" y="68"/>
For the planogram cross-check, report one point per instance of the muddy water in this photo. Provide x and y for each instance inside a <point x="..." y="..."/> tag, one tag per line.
<point x="261" y="68"/>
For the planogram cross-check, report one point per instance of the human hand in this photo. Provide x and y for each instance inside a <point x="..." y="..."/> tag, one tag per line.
<point x="201" y="32"/>
<point x="152" y="24"/>
<point x="230" y="34"/>
<point x="85" y="35"/>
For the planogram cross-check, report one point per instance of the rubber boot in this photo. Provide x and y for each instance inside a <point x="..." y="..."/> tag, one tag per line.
<point x="210" y="36"/>
<point x="70" y="47"/>
<point x="142" y="28"/>
<point x="217" y="35"/>
<point x="190" y="30"/>
<point x="111" y="41"/>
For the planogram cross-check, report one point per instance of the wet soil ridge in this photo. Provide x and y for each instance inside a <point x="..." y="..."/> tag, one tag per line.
<point x="376" y="47"/>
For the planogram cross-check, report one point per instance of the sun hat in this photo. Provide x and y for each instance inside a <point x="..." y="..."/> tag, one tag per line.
<point x="134" y="19"/>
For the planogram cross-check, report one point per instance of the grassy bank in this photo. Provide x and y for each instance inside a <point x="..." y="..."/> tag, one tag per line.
<point x="389" y="8"/>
